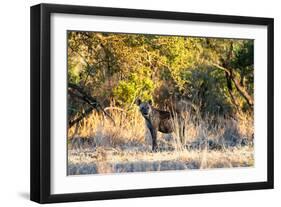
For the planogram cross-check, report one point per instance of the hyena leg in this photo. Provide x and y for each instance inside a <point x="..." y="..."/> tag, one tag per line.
<point x="153" y="133"/>
<point x="154" y="140"/>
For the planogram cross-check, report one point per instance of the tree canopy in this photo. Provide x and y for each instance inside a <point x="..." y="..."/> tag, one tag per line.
<point x="214" y="74"/>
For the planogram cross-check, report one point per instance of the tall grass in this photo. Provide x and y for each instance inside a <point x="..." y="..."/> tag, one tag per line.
<point x="129" y="127"/>
<point x="209" y="142"/>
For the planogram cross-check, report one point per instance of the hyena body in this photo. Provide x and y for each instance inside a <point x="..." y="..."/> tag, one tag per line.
<point x="156" y="120"/>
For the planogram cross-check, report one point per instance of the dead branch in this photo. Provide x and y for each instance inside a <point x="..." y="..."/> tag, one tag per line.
<point x="82" y="95"/>
<point x="114" y="108"/>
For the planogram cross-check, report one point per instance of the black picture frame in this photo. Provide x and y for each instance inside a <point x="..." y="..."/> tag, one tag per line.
<point x="41" y="95"/>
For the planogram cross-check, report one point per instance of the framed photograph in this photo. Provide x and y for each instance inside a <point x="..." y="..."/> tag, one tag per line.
<point x="132" y="103"/>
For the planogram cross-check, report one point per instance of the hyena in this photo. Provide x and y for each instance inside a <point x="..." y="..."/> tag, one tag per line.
<point x="156" y="120"/>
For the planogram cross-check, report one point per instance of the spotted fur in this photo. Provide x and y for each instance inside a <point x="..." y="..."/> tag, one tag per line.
<point x="156" y="120"/>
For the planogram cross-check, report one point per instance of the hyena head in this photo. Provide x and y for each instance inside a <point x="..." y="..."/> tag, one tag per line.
<point x="145" y="107"/>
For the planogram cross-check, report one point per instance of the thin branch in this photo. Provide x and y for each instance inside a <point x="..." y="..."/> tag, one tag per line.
<point x="238" y="86"/>
<point x="88" y="99"/>
<point x="222" y="68"/>
<point x="114" y="108"/>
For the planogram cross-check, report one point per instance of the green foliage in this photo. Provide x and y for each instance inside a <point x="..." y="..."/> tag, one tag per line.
<point x="138" y="84"/>
<point x="210" y="72"/>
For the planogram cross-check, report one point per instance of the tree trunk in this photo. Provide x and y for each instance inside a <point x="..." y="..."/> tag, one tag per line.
<point x="243" y="92"/>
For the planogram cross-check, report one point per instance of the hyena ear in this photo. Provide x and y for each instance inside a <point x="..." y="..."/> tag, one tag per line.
<point x="138" y="101"/>
<point x="150" y="102"/>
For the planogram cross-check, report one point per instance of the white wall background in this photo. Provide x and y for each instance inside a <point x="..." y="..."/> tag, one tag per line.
<point x="14" y="101"/>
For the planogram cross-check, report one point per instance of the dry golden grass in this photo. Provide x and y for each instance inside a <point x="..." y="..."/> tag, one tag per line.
<point x="128" y="127"/>
<point x="96" y="145"/>
<point x="107" y="160"/>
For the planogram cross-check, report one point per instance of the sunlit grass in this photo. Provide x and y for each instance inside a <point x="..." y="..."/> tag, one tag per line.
<point x="96" y="145"/>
